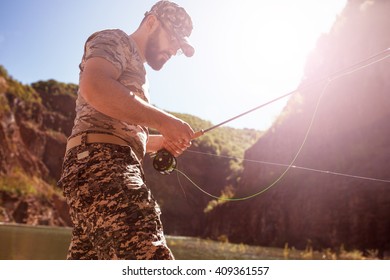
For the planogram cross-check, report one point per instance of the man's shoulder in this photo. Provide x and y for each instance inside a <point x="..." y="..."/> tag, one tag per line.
<point x="109" y="33"/>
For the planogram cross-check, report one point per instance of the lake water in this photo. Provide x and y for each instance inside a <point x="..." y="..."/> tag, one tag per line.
<point x="24" y="242"/>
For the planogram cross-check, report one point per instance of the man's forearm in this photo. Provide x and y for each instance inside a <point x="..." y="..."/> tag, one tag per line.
<point x="154" y="144"/>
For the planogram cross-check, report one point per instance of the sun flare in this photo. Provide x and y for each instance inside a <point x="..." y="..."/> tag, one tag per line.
<point x="266" y="44"/>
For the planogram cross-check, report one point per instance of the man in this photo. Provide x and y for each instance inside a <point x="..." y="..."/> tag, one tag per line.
<point x="114" y="213"/>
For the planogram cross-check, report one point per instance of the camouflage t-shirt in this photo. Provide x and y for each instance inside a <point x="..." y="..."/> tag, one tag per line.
<point x="119" y="49"/>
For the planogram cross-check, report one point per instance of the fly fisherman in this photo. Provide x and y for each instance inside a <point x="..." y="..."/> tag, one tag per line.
<point x="114" y="213"/>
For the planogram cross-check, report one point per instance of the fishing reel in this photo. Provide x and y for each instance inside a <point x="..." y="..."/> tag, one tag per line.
<point x="164" y="162"/>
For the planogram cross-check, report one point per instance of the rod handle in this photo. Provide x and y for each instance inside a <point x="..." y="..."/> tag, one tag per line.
<point x="198" y="134"/>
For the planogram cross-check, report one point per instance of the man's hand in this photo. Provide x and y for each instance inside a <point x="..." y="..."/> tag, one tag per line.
<point x="175" y="139"/>
<point x="177" y="135"/>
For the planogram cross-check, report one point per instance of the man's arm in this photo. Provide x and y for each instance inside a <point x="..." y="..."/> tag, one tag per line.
<point x="155" y="143"/>
<point x="100" y="88"/>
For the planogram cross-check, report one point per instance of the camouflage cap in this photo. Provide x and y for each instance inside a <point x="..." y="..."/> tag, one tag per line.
<point x="177" y="20"/>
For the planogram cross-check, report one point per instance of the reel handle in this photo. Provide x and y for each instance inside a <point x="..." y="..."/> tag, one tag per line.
<point x="164" y="162"/>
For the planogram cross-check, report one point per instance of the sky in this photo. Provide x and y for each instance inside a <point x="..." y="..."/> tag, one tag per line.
<point x="247" y="52"/>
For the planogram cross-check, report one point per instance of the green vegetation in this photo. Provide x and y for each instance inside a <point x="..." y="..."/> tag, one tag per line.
<point x="3" y="72"/>
<point x="55" y="88"/>
<point x="189" y="248"/>
<point x="225" y="141"/>
<point x="4" y="106"/>
<point x="23" y="92"/>
<point x="18" y="182"/>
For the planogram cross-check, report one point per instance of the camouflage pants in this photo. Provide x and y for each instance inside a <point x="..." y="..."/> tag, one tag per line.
<point x="114" y="213"/>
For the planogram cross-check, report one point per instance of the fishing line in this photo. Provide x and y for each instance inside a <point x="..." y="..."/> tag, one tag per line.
<point x="337" y="75"/>
<point x="165" y="162"/>
<point x="295" y="167"/>
<point x="181" y="186"/>
<point x="277" y="179"/>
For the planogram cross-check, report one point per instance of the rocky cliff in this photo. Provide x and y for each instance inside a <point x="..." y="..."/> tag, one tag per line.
<point x="34" y="123"/>
<point x="349" y="135"/>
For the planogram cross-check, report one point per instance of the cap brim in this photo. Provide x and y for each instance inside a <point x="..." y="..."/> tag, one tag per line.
<point x="186" y="47"/>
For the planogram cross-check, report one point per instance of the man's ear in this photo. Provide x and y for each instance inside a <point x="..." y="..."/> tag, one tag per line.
<point x="151" y="23"/>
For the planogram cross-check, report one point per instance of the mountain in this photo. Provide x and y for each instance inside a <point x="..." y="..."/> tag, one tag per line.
<point x="346" y="120"/>
<point x="34" y="120"/>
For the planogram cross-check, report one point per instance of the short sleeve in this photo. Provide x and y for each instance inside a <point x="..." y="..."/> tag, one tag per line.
<point x="107" y="44"/>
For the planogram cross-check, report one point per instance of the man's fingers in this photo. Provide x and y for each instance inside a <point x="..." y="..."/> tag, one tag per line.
<point x="176" y="148"/>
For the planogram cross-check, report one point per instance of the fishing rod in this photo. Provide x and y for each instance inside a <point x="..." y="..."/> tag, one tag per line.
<point x="165" y="163"/>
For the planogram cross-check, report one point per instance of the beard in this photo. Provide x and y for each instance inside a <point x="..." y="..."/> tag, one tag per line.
<point x="154" y="57"/>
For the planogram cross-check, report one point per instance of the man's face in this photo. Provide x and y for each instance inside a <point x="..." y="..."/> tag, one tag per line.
<point x="160" y="47"/>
